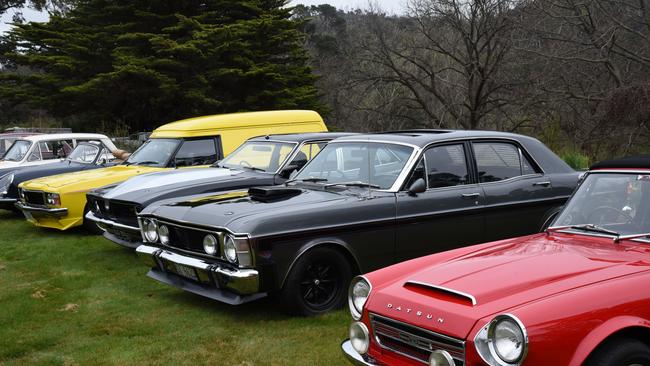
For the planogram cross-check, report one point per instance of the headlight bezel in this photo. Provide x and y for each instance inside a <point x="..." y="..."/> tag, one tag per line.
<point x="147" y="230"/>
<point x="5" y="183"/>
<point x="228" y="252"/>
<point x="163" y="232"/>
<point x="354" y="310"/>
<point x="362" y="328"/>
<point x="52" y="199"/>
<point x="216" y="244"/>
<point x="485" y="343"/>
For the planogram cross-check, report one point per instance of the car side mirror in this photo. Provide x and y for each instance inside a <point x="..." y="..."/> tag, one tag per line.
<point x="287" y="170"/>
<point x="419" y="186"/>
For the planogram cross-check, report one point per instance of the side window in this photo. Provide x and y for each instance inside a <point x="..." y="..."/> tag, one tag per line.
<point x="446" y="166"/>
<point x="35" y="155"/>
<point x="306" y="153"/>
<point x="417" y="173"/>
<point x="58" y="149"/>
<point x="197" y="152"/>
<point x="499" y="160"/>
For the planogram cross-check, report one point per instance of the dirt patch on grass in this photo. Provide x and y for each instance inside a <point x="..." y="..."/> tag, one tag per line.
<point x="70" y="307"/>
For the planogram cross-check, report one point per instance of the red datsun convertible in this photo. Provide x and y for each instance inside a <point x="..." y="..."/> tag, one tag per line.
<point x="578" y="294"/>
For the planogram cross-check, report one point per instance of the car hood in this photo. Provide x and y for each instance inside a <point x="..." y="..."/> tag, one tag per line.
<point x="160" y="180"/>
<point x="238" y="211"/>
<point x="86" y="180"/>
<point x="504" y="276"/>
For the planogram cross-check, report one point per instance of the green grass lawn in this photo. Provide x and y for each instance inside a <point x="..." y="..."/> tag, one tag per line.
<point x="76" y="299"/>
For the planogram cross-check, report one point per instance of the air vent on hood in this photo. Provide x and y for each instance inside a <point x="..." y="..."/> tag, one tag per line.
<point x="266" y="194"/>
<point x="440" y="292"/>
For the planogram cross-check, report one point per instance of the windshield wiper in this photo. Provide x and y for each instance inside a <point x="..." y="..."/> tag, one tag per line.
<point x="309" y="179"/>
<point x="595" y="229"/>
<point x="253" y="168"/>
<point x="145" y="163"/>
<point x="353" y="184"/>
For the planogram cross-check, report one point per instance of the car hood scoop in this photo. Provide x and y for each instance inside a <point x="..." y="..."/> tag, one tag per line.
<point x="270" y="194"/>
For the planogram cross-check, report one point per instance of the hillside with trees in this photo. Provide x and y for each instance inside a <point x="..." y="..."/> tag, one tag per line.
<point x="574" y="74"/>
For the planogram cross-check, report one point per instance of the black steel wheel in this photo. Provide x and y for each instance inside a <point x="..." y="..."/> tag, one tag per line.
<point x="318" y="282"/>
<point x="621" y="351"/>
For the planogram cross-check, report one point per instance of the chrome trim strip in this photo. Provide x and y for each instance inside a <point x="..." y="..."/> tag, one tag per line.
<point x="8" y="200"/>
<point x="110" y="223"/>
<point x="184" y="225"/>
<point x="444" y="289"/>
<point x="56" y="212"/>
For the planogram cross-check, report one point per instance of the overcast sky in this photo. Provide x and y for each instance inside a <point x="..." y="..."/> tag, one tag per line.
<point x="390" y="6"/>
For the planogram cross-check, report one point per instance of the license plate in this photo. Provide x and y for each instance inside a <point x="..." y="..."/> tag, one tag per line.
<point x="186" y="272"/>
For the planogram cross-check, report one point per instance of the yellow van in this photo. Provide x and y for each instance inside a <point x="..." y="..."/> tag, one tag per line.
<point x="59" y="201"/>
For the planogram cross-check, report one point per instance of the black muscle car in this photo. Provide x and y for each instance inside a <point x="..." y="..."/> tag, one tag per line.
<point x="364" y="202"/>
<point x="86" y="156"/>
<point x="260" y="161"/>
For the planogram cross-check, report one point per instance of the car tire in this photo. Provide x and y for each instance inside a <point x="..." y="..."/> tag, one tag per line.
<point x="89" y="226"/>
<point x="317" y="283"/>
<point x="621" y="351"/>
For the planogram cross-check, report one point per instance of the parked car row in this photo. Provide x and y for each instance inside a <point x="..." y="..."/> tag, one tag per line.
<point x="241" y="206"/>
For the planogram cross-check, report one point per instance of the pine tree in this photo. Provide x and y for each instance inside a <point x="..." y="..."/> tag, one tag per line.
<point x="144" y="63"/>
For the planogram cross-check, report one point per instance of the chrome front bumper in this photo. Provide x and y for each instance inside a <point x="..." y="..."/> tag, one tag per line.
<point x="354" y="357"/>
<point x="8" y="203"/>
<point x="54" y="212"/>
<point x="117" y="233"/>
<point x="232" y="286"/>
<point x="104" y="224"/>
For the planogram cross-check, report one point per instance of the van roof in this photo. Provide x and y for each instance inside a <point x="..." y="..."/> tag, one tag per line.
<point x="208" y="124"/>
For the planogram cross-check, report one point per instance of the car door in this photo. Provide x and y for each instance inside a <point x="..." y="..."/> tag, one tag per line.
<point x="517" y="192"/>
<point x="448" y="214"/>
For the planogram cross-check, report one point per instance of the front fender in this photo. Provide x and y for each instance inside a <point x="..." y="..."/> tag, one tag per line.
<point x="311" y="244"/>
<point x="600" y="333"/>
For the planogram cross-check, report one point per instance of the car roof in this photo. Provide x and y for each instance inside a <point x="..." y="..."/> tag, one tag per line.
<point x="17" y="134"/>
<point x="65" y="136"/>
<point x="233" y="120"/>
<point x="629" y="162"/>
<point x="300" y="137"/>
<point x="423" y="137"/>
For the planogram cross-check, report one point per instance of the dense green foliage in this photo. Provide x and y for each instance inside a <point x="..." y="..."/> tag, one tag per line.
<point x="75" y="299"/>
<point x="143" y="63"/>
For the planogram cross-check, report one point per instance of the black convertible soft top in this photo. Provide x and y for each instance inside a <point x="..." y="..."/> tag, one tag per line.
<point x="638" y="161"/>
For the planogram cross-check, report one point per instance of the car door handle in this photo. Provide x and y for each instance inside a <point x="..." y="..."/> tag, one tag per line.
<point x="470" y="195"/>
<point x="542" y="184"/>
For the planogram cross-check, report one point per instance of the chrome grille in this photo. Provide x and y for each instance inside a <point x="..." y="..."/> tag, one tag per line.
<point x="414" y="342"/>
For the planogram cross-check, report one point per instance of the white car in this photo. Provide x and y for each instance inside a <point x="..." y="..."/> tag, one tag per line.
<point x="45" y="149"/>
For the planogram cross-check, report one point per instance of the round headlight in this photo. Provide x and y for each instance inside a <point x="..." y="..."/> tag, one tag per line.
<point x="441" y="358"/>
<point x="229" y="249"/>
<point x="507" y="339"/>
<point x="163" y="233"/>
<point x="359" y="337"/>
<point x="150" y="230"/>
<point x="358" y="295"/>
<point x="96" y="207"/>
<point x="210" y="244"/>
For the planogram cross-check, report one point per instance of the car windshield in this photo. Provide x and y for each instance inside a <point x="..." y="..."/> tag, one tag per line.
<point x="5" y="143"/>
<point x="616" y="204"/>
<point x="84" y="153"/>
<point x="17" y="151"/>
<point x="357" y="163"/>
<point x="266" y="156"/>
<point x="154" y="152"/>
